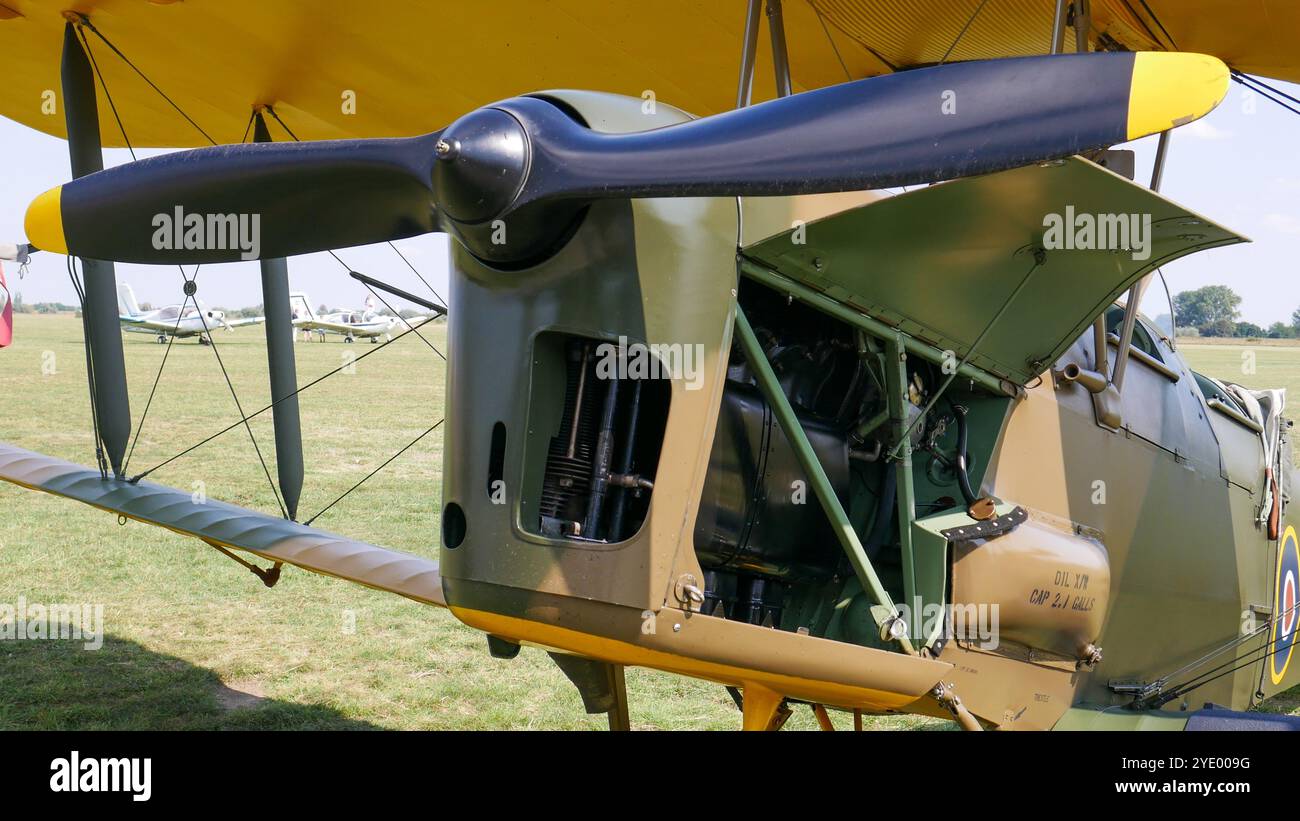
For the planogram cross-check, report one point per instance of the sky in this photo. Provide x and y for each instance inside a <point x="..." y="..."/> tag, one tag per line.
<point x="1238" y="166"/>
<point x="35" y="162"/>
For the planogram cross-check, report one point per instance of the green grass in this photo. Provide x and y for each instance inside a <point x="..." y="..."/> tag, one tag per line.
<point x="1253" y="363"/>
<point x="193" y="641"/>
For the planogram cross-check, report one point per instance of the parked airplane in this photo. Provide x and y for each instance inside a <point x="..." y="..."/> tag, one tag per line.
<point x="366" y="322"/>
<point x="188" y="319"/>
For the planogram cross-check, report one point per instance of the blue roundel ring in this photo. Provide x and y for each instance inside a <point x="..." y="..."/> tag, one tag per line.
<point x="1286" y="606"/>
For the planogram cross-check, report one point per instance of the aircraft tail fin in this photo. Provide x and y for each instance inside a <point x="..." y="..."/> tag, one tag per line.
<point x="126" y="300"/>
<point x="300" y="305"/>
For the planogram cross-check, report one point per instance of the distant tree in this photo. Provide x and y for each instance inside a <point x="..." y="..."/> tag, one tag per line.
<point x="1165" y="323"/>
<point x="145" y="307"/>
<point x="1281" y="330"/>
<point x="1249" y="330"/>
<point x="1213" y="305"/>
<point x="1223" y="327"/>
<point x="1295" y="319"/>
<point x="322" y="309"/>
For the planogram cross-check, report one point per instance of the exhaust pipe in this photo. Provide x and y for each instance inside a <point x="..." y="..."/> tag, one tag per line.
<point x="1093" y="381"/>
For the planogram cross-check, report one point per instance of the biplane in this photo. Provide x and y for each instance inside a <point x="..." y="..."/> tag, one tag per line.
<point x="872" y="417"/>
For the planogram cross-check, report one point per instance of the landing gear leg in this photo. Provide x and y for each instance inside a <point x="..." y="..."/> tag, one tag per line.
<point x="601" y="685"/>
<point x="762" y="709"/>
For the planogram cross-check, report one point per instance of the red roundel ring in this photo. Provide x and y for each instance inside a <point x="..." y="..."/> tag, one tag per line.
<point x="1286" y="606"/>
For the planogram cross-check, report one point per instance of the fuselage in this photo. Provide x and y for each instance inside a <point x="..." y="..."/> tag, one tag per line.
<point x="1142" y="547"/>
<point x="173" y="321"/>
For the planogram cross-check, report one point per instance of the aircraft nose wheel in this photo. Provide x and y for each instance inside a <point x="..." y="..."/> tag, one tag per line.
<point x="162" y="339"/>
<point x="348" y="340"/>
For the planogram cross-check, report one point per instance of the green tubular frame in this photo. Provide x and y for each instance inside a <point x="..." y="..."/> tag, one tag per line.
<point x="897" y="346"/>
<point x="825" y="493"/>
<point x="896" y="382"/>
<point x="874" y="327"/>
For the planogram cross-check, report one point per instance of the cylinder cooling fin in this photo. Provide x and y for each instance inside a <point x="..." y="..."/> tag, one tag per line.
<point x="607" y="422"/>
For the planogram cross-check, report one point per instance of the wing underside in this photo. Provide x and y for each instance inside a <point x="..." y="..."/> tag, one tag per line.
<point x="229" y="526"/>
<point x="686" y="50"/>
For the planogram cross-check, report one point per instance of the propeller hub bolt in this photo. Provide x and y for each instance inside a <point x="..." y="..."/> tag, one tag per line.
<point x="446" y="150"/>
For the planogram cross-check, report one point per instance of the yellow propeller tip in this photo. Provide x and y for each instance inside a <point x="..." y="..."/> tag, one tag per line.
<point x="44" y="222"/>
<point x="1170" y="89"/>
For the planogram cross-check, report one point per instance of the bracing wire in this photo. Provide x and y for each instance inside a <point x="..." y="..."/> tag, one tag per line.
<point x="235" y="395"/>
<point x="244" y="418"/>
<point x="263" y="409"/>
<point x="387" y="305"/>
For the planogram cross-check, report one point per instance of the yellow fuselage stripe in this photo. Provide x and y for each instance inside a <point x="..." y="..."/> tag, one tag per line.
<point x="620" y="652"/>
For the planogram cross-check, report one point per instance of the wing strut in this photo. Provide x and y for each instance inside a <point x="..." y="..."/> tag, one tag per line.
<point x="280" y="366"/>
<point x="107" y="367"/>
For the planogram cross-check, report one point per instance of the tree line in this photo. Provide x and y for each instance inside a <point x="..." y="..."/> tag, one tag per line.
<point x="1214" y="311"/>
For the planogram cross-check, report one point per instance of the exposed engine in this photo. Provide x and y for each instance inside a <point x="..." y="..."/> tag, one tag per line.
<point x="761" y="534"/>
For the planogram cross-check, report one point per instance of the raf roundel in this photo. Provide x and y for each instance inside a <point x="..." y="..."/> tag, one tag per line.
<point x="1286" y="600"/>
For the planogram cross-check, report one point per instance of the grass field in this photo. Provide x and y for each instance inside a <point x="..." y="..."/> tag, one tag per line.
<point x="193" y="641"/>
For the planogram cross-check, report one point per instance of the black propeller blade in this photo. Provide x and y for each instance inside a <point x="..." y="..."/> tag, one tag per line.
<point x="527" y="159"/>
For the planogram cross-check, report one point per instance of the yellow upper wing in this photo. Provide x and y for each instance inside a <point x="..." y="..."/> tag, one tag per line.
<point x="412" y="66"/>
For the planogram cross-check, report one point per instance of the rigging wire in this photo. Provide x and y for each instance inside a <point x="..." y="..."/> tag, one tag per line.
<point x="102" y="84"/>
<point x="264" y="409"/>
<point x="271" y="110"/>
<point x="848" y="74"/>
<point x="1196" y="681"/>
<point x="1265" y="90"/>
<point x="387" y="305"/>
<point x="385" y="464"/>
<point x="100" y="460"/>
<point x="158" y="378"/>
<point x="244" y="418"/>
<point x="962" y="33"/>
<point x="85" y="21"/>
<point x="249" y="127"/>
<point x="235" y="395"/>
<point x="417" y="273"/>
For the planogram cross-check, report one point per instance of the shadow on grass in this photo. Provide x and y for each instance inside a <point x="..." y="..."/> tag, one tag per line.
<point x="60" y="685"/>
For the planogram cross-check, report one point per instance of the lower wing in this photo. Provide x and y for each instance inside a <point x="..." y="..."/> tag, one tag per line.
<point x="229" y="526"/>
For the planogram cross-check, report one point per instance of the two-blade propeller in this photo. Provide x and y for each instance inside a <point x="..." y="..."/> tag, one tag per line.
<point x="528" y="162"/>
